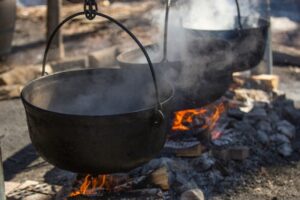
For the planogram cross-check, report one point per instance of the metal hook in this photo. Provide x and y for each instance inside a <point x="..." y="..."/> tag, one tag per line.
<point x="90" y="9"/>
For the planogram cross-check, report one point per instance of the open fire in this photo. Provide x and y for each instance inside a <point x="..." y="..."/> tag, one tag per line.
<point x="204" y="118"/>
<point x="92" y="185"/>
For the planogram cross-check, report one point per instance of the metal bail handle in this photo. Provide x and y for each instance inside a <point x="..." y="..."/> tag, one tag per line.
<point x="239" y="14"/>
<point x="159" y="116"/>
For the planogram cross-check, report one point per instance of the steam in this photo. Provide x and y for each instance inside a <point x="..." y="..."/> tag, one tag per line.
<point x="192" y="58"/>
<point x="199" y="53"/>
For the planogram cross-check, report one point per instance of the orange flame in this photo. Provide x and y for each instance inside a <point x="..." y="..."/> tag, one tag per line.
<point x="92" y="184"/>
<point x="184" y="119"/>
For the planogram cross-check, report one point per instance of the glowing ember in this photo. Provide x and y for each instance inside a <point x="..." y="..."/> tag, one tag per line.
<point x="206" y="118"/>
<point x="93" y="184"/>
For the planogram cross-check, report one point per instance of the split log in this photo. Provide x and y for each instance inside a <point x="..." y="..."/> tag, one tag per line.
<point x="32" y="190"/>
<point x="133" y="183"/>
<point x="10" y="91"/>
<point x="13" y="81"/>
<point x="104" y="58"/>
<point x="70" y="64"/>
<point x="184" y="149"/>
<point x="160" y="178"/>
<point x="194" y="194"/>
<point x="266" y="81"/>
<point x="22" y="75"/>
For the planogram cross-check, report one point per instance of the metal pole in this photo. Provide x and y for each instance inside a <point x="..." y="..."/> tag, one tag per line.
<point x="2" y="189"/>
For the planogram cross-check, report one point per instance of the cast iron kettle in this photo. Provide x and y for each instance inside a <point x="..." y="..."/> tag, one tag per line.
<point x="97" y="121"/>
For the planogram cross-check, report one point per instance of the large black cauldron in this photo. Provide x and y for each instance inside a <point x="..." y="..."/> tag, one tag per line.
<point x="97" y="121"/>
<point x="247" y="44"/>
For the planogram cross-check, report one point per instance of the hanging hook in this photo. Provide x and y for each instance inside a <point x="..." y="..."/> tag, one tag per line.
<point x="90" y="9"/>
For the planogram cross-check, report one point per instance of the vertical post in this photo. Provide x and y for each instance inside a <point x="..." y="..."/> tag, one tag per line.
<point x="2" y="189"/>
<point x="269" y="47"/>
<point x="266" y="66"/>
<point x="53" y="19"/>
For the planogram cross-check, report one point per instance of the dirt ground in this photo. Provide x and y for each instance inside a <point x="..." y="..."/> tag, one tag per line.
<point x="21" y="161"/>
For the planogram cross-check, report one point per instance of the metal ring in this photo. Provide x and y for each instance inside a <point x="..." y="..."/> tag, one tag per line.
<point x="90" y="8"/>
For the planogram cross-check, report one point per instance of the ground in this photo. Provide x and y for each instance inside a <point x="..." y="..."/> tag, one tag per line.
<point x="21" y="162"/>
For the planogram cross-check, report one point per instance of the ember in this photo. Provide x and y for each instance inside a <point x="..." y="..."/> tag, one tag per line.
<point x="205" y="118"/>
<point x="93" y="184"/>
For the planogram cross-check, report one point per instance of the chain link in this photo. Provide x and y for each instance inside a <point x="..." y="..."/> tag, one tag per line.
<point x="90" y="9"/>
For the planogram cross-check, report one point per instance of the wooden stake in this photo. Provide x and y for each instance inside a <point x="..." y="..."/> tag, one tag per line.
<point x="53" y="19"/>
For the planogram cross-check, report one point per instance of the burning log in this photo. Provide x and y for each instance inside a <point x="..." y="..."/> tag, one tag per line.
<point x="133" y="183"/>
<point x="148" y="193"/>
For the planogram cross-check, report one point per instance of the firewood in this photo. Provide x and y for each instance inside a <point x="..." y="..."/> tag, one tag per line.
<point x="194" y="151"/>
<point x="194" y="194"/>
<point x="22" y="75"/>
<point x="184" y="149"/>
<point x="266" y="81"/>
<point x="69" y="63"/>
<point x="160" y="178"/>
<point x="33" y="190"/>
<point x="148" y="193"/>
<point x="103" y="58"/>
<point x="133" y="183"/>
<point x="10" y="91"/>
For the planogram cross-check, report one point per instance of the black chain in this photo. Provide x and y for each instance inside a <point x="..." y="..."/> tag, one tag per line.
<point x="90" y="9"/>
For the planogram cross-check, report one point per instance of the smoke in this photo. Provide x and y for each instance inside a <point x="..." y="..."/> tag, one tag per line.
<point x="193" y="42"/>
<point x="198" y="64"/>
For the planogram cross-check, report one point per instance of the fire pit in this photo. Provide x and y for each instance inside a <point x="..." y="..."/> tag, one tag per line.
<point x="119" y="121"/>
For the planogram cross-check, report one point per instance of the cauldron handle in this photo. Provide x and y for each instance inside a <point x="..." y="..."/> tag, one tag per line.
<point x="159" y="117"/>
